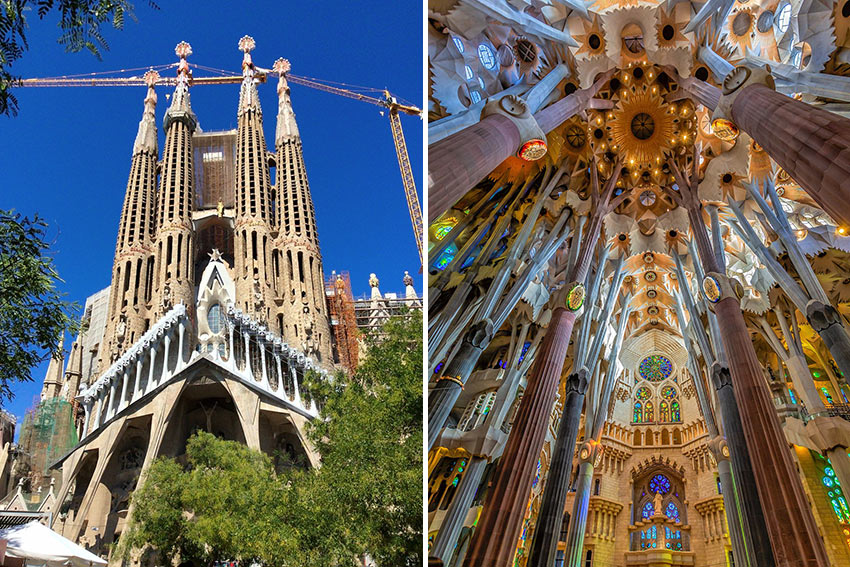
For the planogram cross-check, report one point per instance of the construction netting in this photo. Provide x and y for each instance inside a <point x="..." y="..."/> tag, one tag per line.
<point x="215" y="156"/>
<point x="48" y="432"/>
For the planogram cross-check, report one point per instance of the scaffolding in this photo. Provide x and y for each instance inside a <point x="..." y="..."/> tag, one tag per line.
<point x="48" y="432"/>
<point x="343" y="321"/>
<point x="371" y="314"/>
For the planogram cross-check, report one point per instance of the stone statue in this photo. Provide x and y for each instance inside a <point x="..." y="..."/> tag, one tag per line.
<point x="166" y="297"/>
<point x="657" y="504"/>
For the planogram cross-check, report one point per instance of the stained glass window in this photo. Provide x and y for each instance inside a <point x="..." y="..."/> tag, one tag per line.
<point x="215" y="319"/>
<point x="664" y="411"/>
<point x="668" y="392"/>
<point x="659" y="483"/>
<point x="643" y="393"/>
<point x="475" y="96"/>
<point x="826" y="395"/>
<point x="835" y="494"/>
<point x="458" y="43"/>
<point x="648" y="413"/>
<point x="672" y="511"/>
<point x="537" y="476"/>
<point x="468" y="72"/>
<point x="674" y="539"/>
<point x="648" y="511"/>
<point x="446" y="257"/>
<point x="648" y="537"/>
<point x="442" y="228"/>
<point x="675" y="413"/>
<point x="655" y="368"/>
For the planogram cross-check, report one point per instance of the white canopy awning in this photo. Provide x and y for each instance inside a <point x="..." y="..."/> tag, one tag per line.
<point x="39" y="544"/>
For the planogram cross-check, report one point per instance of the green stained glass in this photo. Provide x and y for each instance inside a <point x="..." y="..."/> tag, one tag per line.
<point x="668" y="392"/>
<point x="643" y="393"/>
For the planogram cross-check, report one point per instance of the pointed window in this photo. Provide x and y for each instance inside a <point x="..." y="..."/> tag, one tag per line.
<point x="649" y="413"/>
<point x="647" y="511"/>
<point x="664" y="411"/>
<point x="672" y="511"/>
<point x="638" y="418"/>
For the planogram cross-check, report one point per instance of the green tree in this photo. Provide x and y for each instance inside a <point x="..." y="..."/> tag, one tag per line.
<point x="227" y="502"/>
<point x="80" y="23"/>
<point x="33" y="314"/>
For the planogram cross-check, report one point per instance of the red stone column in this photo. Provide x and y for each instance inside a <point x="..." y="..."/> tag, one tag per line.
<point x="458" y="162"/>
<point x="495" y="538"/>
<point x="794" y="535"/>
<point x="811" y="144"/>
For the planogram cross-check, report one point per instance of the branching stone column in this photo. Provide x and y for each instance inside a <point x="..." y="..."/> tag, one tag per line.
<point x="810" y="144"/>
<point x="757" y="539"/>
<point x="589" y="456"/>
<point x="494" y="541"/>
<point x="552" y="512"/>
<point x="793" y="533"/>
<point x="826" y="321"/>
<point x="442" y="398"/>
<point x="446" y="540"/>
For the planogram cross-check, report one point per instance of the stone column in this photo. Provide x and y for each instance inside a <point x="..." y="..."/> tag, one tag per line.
<point x="578" y="521"/>
<point x="137" y="389"/>
<point x="551" y="514"/>
<point x="827" y="323"/>
<point x="247" y="340"/>
<point x="494" y="541"/>
<point x="180" y="336"/>
<point x="446" y="540"/>
<point x="165" y="372"/>
<point x="810" y="144"/>
<point x="442" y="398"/>
<point x="734" y="516"/>
<point x="151" y="382"/>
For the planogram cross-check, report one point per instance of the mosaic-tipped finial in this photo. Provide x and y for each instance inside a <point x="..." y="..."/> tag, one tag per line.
<point x="247" y="44"/>
<point x="183" y="50"/>
<point x="281" y="66"/>
<point x="150" y="77"/>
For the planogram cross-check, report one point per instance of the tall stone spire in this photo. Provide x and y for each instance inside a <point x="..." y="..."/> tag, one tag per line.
<point x="174" y="241"/>
<point x="302" y="315"/>
<point x="254" y="216"/>
<point x="54" y="375"/>
<point x="133" y="267"/>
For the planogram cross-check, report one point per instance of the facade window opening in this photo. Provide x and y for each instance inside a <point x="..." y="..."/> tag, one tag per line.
<point x="784" y="17"/>
<point x="215" y="319"/>
<point x="487" y="57"/>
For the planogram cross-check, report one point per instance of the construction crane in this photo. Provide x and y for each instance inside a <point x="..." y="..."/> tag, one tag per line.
<point x="387" y="102"/>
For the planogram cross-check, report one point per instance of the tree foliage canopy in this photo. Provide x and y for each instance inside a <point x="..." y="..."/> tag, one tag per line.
<point x="365" y="499"/>
<point x="80" y="23"/>
<point x="33" y="314"/>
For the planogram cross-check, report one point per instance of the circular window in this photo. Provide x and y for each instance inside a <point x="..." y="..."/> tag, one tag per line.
<point x="667" y="32"/>
<point x="784" y="17"/>
<point x="647" y="198"/>
<point x="594" y="41"/>
<point x="701" y="73"/>
<point x="215" y="319"/>
<point x="525" y="50"/>
<point x="458" y="44"/>
<point x="765" y="21"/>
<point x="655" y="368"/>
<point x="643" y="126"/>
<point x="486" y="56"/>
<point x="576" y="136"/>
<point x="659" y="483"/>
<point x="845" y="10"/>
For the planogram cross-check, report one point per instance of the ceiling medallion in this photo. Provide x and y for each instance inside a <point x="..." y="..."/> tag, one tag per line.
<point x="711" y="288"/>
<point x="724" y="129"/>
<point x="643" y="126"/>
<point x="575" y="297"/>
<point x="651" y="294"/>
<point x="648" y="258"/>
<point x="650" y="276"/>
<point x="533" y="150"/>
<point x="647" y="198"/>
<point x="652" y="310"/>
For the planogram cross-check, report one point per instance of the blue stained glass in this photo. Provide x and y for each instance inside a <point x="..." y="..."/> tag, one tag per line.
<point x="476" y="96"/>
<point x="672" y="512"/>
<point x="827" y="481"/>
<point x="486" y="56"/>
<point x="468" y="71"/>
<point x="455" y="481"/>
<point x="655" y="368"/>
<point x="793" y="397"/>
<point x="675" y="413"/>
<point x="829" y="471"/>
<point x="659" y="483"/>
<point x="524" y="350"/>
<point x="458" y="43"/>
<point x="648" y="511"/>
<point x="446" y="257"/>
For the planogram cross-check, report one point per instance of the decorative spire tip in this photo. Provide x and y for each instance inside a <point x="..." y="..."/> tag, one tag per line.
<point x="150" y="77"/>
<point x="183" y="50"/>
<point x="247" y="44"/>
<point x="281" y="66"/>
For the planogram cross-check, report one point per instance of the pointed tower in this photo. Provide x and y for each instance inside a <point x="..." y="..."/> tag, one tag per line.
<point x="174" y="243"/>
<point x="302" y="312"/>
<point x="254" y="209"/>
<point x="53" y="378"/>
<point x="133" y="267"/>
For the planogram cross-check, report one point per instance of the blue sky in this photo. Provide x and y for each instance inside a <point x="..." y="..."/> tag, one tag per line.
<point x="67" y="154"/>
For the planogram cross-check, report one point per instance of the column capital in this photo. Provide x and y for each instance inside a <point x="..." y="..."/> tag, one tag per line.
<point x="577" y="382"/>
<point x="722" y="122"/>
<point x="720" y="376"/>
<point x="532" y="139"/>
<point x="821" y="316"/>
